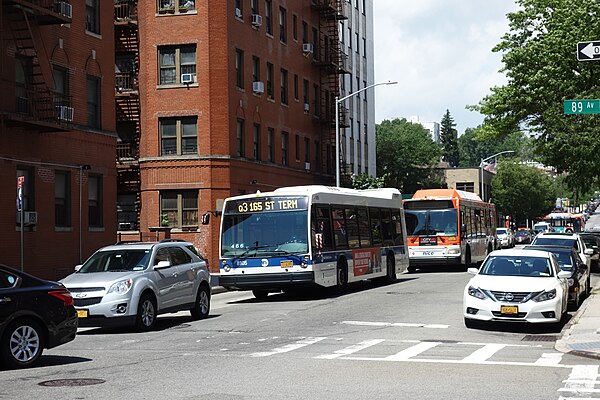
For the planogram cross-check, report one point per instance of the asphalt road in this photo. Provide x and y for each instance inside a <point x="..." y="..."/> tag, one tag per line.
<point x="402" y="340"/>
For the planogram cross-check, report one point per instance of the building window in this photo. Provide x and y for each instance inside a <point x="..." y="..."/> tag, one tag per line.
<point x="239" y="68"/>
<point x="295" y="27"/>
<point x="240" y="137"/>
<point x="269" y="16"/>
<point x="282" y="25"/>
<point x="61" y="86"/>
<point x="92" y="18"/>
<point x="255" y="69"/>
<point x="178" y="136"/>
<point x="364" y="47"/>
<point x="284" y="148"/>
<point x="62" y="199"/>
<point x="127" y="211"/>
<point x="296" y="87"/>
<point x="284" y="86"/>
<point x="179" y="209"/>
<point x="316" y="99"/>
<point x="305" y="92"/>
<point x="304" y="32"/>
<point x="95" y="201"/>
<point x="297" y="147"/>
<point x="254" y="6"/>
<point x="175" y="6"/>
<point x="317" y="156"/>
<point x="27" y="192"/>
<point x="256" y="141"/>
<point x="176" y="64"/>
<point x="466" y="186"/>
<point x="270" y="88"/>
<point x="306" y="150"/>
<point x="270" y="144"/>
<point x="93" y="101"/>
<point x="315" y="34"/>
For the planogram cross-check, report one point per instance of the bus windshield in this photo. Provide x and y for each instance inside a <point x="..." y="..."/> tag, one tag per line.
<point x="265" y="234"/>
<point x="432" y="222"/>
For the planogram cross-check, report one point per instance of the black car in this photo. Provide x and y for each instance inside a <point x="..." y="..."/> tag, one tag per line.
<point x="569" y="260"/>
<point x="34" y="314"/>
<point x="592" y="241"/>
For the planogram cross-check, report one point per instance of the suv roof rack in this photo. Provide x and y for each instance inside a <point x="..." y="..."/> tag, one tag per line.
<point x="172" y="240"/>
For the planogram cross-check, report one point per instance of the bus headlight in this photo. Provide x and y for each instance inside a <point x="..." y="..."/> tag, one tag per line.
<point x="453" y="251"/>
<point x="226" y="268"/>
<point x="304" y="263"/>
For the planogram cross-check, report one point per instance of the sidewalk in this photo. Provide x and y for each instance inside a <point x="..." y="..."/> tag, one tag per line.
<point x="581" y="337"/>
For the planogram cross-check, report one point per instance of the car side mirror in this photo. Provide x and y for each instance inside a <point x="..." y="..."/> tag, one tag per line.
<point x="78" y="267"/>
<point x="473" y="271"/>
<point x="162" y="264"/>
<point x="564" y="274"/>
<point x="589" y="252"/>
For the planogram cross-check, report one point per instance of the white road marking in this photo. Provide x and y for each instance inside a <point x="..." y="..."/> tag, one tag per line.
<point x="351" y="349"/>
<point x="582" y="379"/>
<point x="549" y="359"/>
<point x="396" y="324"/>
<point x="482" y="354"/>
<point x="412" y="351"/>
<point x="290" y="347"/>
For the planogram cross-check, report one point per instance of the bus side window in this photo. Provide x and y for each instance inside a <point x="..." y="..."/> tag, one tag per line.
<point x="339" y="228"/>
<point x="386" y="228"/>
<point x="352" y="228"/>
<point x="397" y="228"/>
<point x="321" y="224"/>
<point x="364" y="230"/>
<point x="463" y="223"/>
<point x="375" y="226"/>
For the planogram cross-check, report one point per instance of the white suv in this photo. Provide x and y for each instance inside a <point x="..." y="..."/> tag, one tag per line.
<point x="133" y="282"/>
<point x="565" y="239"/>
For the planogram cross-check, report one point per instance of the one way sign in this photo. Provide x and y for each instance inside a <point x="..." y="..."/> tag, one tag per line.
<point x="587" y="51"/>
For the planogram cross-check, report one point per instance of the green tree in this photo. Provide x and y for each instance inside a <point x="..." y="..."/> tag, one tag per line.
<point x="406" y="156"/>
<point x="539" y="60"/>
<point x="523" y="192"/>
<point x="475" y="145"/>
<point x="449" y="140"/>
<point x="365" y="181"/>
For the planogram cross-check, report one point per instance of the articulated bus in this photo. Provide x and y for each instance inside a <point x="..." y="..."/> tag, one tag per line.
<point x="311" y="236"/>
<point x="565" y="222"/>
<point x="447" y="226"/>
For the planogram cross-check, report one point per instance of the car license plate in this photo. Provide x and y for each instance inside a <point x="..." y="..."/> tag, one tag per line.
<point x="428" y="241"/>
<point x="82" y="313"/>
<point x="287" y="264"/>
<point x="509" y="310"/>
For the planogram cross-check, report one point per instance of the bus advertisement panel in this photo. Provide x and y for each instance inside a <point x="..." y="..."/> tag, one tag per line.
<point x="447" y="227"/>
<point x="311" y="235"/>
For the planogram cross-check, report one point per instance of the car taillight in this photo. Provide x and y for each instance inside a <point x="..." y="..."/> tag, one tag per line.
<point x="63" y="295"/>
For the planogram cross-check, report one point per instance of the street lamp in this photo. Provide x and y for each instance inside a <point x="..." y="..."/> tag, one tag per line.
<point x="483" y="160"/>
<point x="337" y="125"/>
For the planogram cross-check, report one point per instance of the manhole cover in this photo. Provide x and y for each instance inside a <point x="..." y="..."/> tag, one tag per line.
<point x="72" y="382"/>
<point x="540" y="338"/>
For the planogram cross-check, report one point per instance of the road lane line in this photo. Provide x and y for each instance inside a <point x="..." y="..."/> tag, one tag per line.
<point x="351" y="349"/>
<point x="395" y="324"/>
<point x="549" y="359"/>
<point x="290" y="347"/>
<point x="412" y="351"/>
<point x="483" y="353"/>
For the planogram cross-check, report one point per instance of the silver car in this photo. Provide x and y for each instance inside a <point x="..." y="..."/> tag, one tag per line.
<point x="134" y="282"/>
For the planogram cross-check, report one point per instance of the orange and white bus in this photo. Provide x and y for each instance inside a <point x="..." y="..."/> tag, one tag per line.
<point x="448" y="226"/>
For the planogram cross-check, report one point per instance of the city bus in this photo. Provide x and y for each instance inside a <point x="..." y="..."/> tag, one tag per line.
<point x="448" y="227"/>
<point x="311" y="236"/>
<point x="565" y="222"/>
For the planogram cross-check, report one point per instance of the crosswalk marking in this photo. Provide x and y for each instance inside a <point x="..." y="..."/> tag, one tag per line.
<point x="582" y="380"/>
<point x="351" y="349"/>
<point x="396" y="324"/>
<point x="548" y="359"/>
<point x="290" y="347"/>
<point x="484" y="353"/>
<point x="412" y="351"/>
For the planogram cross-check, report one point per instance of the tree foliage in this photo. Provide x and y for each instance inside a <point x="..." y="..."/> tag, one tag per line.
<point x="406" y="156"/>
<point x="366" y="181"/>
<point x="522" y="192"/>
<point x="449" y="140"/>
<point x="475" y="145"/>
<point x="539" y="57"/>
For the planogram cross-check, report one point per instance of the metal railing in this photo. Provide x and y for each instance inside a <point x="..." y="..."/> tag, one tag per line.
<point x="125" y="10"/>
<point x="126" y="82"/>
<point x="33" y="103"/>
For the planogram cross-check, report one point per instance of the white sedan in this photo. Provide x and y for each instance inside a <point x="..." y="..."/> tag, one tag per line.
<point x="516" y="286"/>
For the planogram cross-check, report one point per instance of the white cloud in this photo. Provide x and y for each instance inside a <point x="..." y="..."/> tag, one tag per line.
<point x="440" y="52"/>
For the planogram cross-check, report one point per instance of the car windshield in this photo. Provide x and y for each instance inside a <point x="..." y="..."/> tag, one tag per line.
<point x="556" y="241"/>
<point x="516" y="266"/>
<point x="501" y="231"/>
<point x="522" y="233"/>
<point x="117" y="261"/>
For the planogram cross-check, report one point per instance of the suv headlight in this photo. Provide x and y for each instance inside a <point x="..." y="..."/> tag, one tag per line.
<point x="476" y="292"/>
<point x="545" y="296"/>
<point x="121" y="287"/>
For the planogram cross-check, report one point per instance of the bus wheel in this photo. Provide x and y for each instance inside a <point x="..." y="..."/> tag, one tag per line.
<point x="342" y="275"/>
<point x="391" y="267"/>
<point x="260" y="294"/>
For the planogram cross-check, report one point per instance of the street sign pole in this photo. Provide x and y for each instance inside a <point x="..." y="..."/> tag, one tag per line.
<point x="21" y="209"/>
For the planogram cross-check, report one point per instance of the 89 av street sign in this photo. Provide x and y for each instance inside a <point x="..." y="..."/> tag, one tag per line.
<point x="587" y="51"/>
<point x="591" y="106"/>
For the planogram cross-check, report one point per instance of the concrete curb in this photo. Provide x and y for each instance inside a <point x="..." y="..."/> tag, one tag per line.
<point x="562" y="344"/>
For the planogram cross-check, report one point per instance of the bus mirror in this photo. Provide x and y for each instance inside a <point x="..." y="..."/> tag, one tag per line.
<point x="463" y="230"/>
<point x="205" y="219"/>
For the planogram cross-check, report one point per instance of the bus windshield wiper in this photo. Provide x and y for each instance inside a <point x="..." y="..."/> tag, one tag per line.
<point x="252" y="248"/>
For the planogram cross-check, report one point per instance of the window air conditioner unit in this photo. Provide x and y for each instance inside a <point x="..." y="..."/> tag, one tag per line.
<point x="187" y="78"/>
<point x="29" y="218"/>
<point x="256" y="20"/>
<point x="258" y="87"/>
<point x="126" y="226"/>
<point x="307" y="166"/>
<point x="238" y="13"/>
<point x="307" y="48"/>
<point x="63" y="8"/>
<point x="306" y="108"/>
<point x="64" y="113"/>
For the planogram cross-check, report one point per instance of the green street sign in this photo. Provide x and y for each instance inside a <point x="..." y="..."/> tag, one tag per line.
<point x="589" y="106"/>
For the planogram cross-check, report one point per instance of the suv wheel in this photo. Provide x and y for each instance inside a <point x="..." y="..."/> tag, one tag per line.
<point x="202" y="304"/>
<point x="146" y="314"/>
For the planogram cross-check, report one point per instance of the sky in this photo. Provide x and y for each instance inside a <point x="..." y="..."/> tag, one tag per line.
<point x="440" y="53"/>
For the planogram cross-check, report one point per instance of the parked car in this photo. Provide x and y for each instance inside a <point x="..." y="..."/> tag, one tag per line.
<point x="35" y="314"/>
<point x="523" y="236"/>
<point x="565" y="239"/>
<point x="132" y="283"/>
<point x="505" y="236"/>
<point x="569" y="260"/>
<point x="542" y="227"/>
<point x="516" y="286"/>
<point x="592" y="241"/>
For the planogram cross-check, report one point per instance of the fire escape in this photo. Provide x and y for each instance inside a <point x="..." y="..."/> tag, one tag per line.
<point x="332" y="62"/>
<point x="32" y="99"/>
<point x="128" y="114"/>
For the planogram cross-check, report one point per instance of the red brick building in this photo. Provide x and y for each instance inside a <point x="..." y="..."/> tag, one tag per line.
<point x="57" y="132"/>
<point x="221" y="98"/>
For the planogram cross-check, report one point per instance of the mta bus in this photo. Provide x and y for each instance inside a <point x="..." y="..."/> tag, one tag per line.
<point x="565" y="222"/>
<point x="311" y="236"/>
<point x="448" y="227"/>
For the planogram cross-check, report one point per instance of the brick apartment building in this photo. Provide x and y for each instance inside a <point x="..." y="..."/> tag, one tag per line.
<point x="57" y="133"/>
<point x="222" y="98"/>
